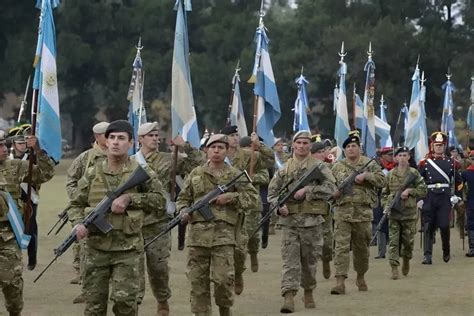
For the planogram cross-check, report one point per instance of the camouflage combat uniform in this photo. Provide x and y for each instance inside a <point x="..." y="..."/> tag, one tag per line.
<point x="158" y="253"/>
<point x="84" y="161"/>
<point x="402" y="223"/>
<point x="113" y="257"/>
<point x="264" y="159"/>
<point x="302" y="234"/>
<point x="353" y="215"/>
<point x="12" y="174"/>
<point x="211" y="243"/>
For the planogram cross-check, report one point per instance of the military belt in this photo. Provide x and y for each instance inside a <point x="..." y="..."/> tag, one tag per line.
<point x="438" y="185"/>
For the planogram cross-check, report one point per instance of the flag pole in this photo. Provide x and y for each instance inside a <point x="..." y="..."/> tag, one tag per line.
<point x="354" y="107"/>
<point x="236" y="74"/>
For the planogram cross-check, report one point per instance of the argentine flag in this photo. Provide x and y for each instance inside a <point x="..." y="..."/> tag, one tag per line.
<point x="300" y="122"/>
<point x="415" y="115"/>
<point x="342" y="128"/>
<point x="237" y="117"/>
<point x="48" y="128"/>
<point x="447" y="120"/>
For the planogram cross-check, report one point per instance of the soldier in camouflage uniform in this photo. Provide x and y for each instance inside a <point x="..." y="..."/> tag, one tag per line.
<point x="353" y="213"/>
<point x="158" y="253"/>
<point x="301" y="219"/>
<point x="12" y="173"/>
<point x="402" y="222"/>
<point x="320" y="152"/>
<point x="240" y="158"/>
<point x="113" y="258"/>
<point x="77" y="169"/>
<point x="211" y="243"/>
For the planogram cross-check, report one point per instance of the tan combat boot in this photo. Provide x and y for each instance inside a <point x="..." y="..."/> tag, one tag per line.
<point x="326" y="269"/>
<point x="360" y="282"/>
<point x="254" y="262"/>
<point x="239" y="284"/>
<point x="308" y="299"/>
<point x="163" y="308"/>
<point x="76" y="279"/>
<point x="288" y="303"/>
<point x="394" y="273"/>
<point x="340" y="288"/>
<point x="406" y="266"/>
<point x="224" y="311"/>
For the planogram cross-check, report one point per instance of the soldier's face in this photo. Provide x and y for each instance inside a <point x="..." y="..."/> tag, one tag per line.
<point x="302" y="147"/>
<point x="3" y="152"/>
<point x="233" y="140"/>
<point x="352" y="151"/>
<point x="151" y="140"/>
<point x="403" y="158"/>
<point x="100" y="139"/>
<point x="217" y="152"/>
<point x="438" y="148"/>
<point x="320" y="154"/>
<point x="118" y="144"/>
<point x="20" y="148"/>
<point x="278" y="147"/>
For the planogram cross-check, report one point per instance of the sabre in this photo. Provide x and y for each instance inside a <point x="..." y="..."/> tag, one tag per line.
<point x="23" y="102"/>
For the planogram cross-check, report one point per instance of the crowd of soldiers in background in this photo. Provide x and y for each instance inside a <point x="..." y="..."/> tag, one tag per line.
<point x="328" y="214"/>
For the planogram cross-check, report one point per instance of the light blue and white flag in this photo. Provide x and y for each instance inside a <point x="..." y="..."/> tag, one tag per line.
<point x="237" y="116"/>
<point x="382" y="129"/>
<point x="136" y="108"/>
<point x="422" y="149"/>
<point x="342" y="128"/>
<point x="368" y="130"/>
<point x="470" y="113"/>
<point x="48" y="128"/>
<point x="447" y="120"/>
<point x="183" y="114"/>
<point x="415" y="115"/>
<point x="16" y="222"/>
<point x="385" y="138"/>
<point x="265" y="89"/>
<point x="300" y="122"/>
<point x="336" y="95"/>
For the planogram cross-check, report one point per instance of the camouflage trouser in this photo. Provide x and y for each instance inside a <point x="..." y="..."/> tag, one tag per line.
<point x="157" y="257"/>
<point x="240" y="250"/>
<point x="300" y="249"/>
<point x="214" y="264"/>
<point x="76" y="255"/>
<point x="250" y="225"/>
<point x="11" y="269"/>
<point x="357" y="234"/>
<point x="120" y="269"/>
<point x="328" y="238"/>
<point x="402" y="239"/>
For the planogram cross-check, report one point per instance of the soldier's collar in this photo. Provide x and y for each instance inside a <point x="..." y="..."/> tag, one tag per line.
<point x="125" y="167"/>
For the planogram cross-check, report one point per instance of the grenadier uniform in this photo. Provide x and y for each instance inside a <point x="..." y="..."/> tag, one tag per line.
<point x="468" y="179"/>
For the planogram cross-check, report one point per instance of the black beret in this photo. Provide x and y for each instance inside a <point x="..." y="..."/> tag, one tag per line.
<point x="228" y="130"/>
<point x="354" y="138"/>
<point x="245" y="141"/>
<point x="403" y="149"/>
<point x="119" y="126"/>
<point x="317" y="146"/>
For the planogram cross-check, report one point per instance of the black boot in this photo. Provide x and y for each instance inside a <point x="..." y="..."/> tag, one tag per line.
<point x="427" y="244"/>
<point x="470" y="236"/>
<point x="445" y="233"/>
<point x="181" y="236"/>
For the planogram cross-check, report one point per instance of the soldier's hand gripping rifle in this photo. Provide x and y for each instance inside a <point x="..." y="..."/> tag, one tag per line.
<point x="202" y="206"/>
<point x="346" y="186"/>
<point x="63" y="217"/>
<point x="291" y="187"/>
<point x="395" y="204"/>
<point x="97" y="216"/>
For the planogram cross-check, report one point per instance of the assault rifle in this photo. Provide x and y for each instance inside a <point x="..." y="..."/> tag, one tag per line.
<point x="346" y="186"/>
<point x="291" y="187"/>
<point x="202" y="206"/>
<point x="395" y="204"/>
<point x="63" y="217"/>
<point x="97" y="216"/>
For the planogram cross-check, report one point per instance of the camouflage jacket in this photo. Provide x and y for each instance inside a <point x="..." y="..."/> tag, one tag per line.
<point x="264" y="160"/>
<point x="357" y="207"/>
<point x="395" y="180"/>
<point x="221" y="230"/>
<point x="304" y="213"/>
<point x="13" y="172"/>
<point x="84" y="161"/>
<point x="126" y="232"/>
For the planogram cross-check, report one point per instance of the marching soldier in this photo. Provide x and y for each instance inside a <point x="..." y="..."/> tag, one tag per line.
<point x="301" y="219"/>
<point x="353" y="214"/>
<point x="12" y="173"/>
<point x="402" y="222"/>
<point x="468" y="178"/>
<point x="240" y="158"/>
<point x="76" y="171"/>
<point x="437" y="169"/>
<point x="211" y="243"/>
<point x="113" y="257"/>
<point x="158" y="253"/>
<point x="320" y="152"/>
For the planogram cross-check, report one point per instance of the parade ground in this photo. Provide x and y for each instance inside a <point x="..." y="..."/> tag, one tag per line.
<point x="439" y="289"/>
